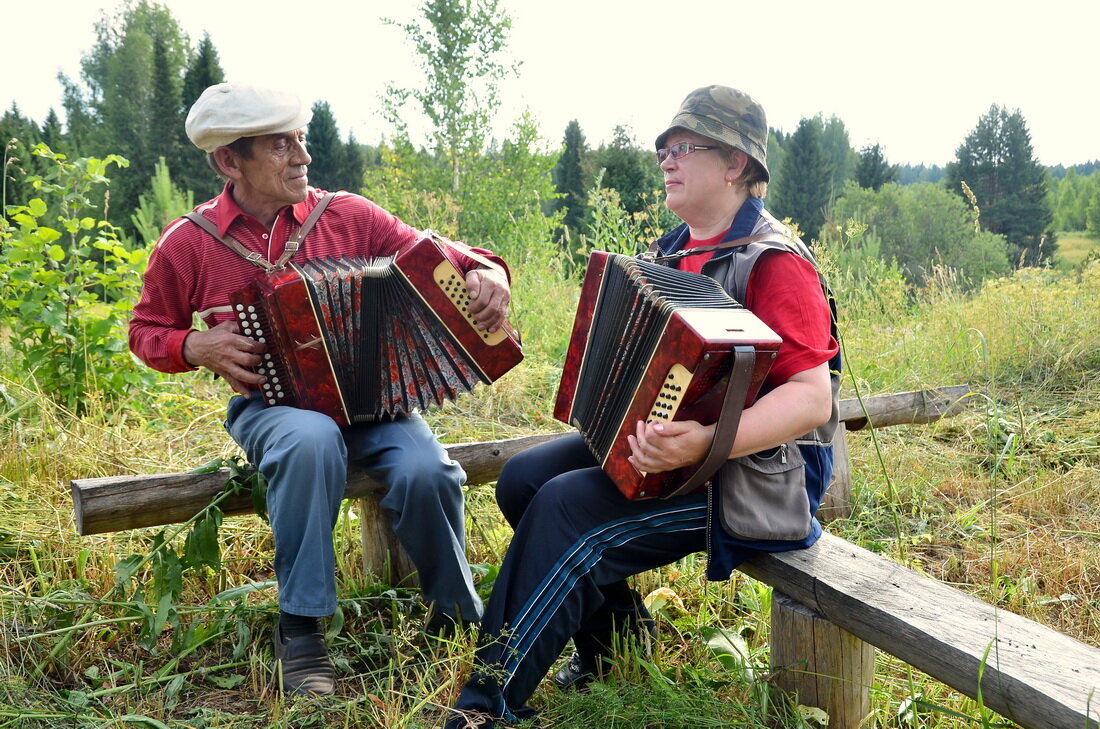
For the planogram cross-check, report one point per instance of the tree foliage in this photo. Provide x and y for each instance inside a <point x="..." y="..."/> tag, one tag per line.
<point x="458" y="44"/>
<point x="873" y="170"/>
<point x="203" y="71"/>
<point x="804" y="186"/>
<point x="997" y="163"/>
<point x="628" y="169"/>
<point x="328" y="151"/>
<point x="570" y="178"/>
<point x="68" y="284"/>
<point x="920" y="227"/>
<point x="132" y="79"/>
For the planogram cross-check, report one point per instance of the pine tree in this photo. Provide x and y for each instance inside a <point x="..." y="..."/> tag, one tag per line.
<point x="872" y="170"/>
<point x="165" y="121"/>
<point x="325" y="148"/>
<point x="630" y="170"/>
<point x="804" y="188"/>
<point x="569" y="177"/>
<point x="203" y="71"/>
<point x="355" y="163"/>
<point x="997" y="162"/>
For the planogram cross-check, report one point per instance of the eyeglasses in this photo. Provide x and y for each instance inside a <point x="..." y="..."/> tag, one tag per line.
<point x="677" y="151"/>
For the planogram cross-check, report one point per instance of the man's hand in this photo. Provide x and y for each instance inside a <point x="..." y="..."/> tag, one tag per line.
<point x="489" y="297"/>
<point x="229" y="354"/>
<point x="660" y="447"/>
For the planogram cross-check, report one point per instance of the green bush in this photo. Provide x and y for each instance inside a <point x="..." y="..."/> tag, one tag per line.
<point x="67" y="291"/>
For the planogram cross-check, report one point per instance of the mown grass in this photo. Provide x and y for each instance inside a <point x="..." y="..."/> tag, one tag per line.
<point x="1002" y="500"/>
<point x="1073" y="247"/>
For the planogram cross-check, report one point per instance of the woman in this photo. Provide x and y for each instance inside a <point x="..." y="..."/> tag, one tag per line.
<point x="576" y="537"/>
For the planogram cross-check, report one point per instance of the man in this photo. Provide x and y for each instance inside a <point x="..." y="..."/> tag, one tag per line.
<point x="255" y="139"/>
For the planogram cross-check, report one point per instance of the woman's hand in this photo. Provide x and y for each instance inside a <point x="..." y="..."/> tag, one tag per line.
<point x="660" y="447"/>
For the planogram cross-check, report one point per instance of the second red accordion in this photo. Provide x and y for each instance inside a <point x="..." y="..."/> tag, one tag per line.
<point x="652" y="343"/>
<point x="357" y="339"/>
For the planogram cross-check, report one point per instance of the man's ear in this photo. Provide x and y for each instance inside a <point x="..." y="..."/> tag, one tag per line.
<point x="227" y="162"/>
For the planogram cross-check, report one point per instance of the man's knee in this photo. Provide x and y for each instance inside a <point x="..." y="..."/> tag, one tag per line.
<point x="313" y="436"/>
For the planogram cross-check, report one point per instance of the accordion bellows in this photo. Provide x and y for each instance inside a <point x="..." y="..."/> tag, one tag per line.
<point x="360" y="339"/>
<point x="652" y="343"/>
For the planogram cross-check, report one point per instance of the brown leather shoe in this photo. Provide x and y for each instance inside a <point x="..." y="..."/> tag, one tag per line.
<point x="302" y="665"/>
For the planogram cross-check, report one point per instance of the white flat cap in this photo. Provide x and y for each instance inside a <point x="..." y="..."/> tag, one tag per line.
<point x="226" y="112"/>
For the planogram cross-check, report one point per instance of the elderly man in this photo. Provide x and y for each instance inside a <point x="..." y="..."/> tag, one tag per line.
<point x="255" y="139"/>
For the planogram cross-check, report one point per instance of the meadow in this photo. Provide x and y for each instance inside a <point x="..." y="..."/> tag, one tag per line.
<point x="149" y="628"/>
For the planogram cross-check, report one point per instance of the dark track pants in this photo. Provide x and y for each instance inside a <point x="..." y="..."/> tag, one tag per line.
<point x="576" y="540"/>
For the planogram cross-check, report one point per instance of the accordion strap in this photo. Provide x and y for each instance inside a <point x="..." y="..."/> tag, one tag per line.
<point x="725" y="430"/>
<point x="652" y="256"/>
<point x="292" y="244"/>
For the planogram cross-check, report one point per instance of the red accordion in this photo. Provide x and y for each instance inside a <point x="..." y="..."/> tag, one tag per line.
<point x="357" y="339"/>
<point x="653" y="343"/>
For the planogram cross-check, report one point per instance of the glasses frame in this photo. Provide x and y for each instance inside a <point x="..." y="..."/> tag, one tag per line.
<point x="665" y="152"/>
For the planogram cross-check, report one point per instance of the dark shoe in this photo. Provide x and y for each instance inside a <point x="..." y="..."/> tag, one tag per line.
<point x="577" y="673"/>
<point x="442" y="625"/>
<point x="302" y="665"/>
<point x="470" y="720"/>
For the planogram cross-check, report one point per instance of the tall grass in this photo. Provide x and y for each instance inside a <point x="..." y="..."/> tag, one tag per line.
<point x="1002" y="500"/>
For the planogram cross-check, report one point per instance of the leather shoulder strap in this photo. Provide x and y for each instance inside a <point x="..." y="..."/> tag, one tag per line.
<point x="292" y="245"/>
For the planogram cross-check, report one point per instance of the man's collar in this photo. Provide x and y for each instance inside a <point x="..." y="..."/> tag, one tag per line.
<point x="227" y="209"/>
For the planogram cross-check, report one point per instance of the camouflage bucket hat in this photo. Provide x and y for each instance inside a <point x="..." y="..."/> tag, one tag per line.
<point x="725" y="115"/>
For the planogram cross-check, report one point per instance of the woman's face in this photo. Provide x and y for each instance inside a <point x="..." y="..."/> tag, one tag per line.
<point x="695" y="184"/>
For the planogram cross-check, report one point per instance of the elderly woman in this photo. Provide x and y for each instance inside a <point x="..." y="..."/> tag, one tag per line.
<point x="577" y="538"/>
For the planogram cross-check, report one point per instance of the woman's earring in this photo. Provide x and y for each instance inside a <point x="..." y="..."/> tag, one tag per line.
<point x="729" y="183"/>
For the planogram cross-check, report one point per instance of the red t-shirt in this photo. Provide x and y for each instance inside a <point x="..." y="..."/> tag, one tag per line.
<point x="784" y="292"/>
<point x="189" y="272"/>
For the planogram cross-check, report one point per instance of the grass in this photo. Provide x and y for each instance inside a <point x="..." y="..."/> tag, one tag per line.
<point x="1002" y="501"/>
<point x="1073" y="247"/>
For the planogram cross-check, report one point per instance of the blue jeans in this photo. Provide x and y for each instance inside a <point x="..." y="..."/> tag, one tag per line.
<point x="304" y="456"/>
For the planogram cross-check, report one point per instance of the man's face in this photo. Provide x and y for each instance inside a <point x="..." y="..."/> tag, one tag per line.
<point x="275" y="175"/>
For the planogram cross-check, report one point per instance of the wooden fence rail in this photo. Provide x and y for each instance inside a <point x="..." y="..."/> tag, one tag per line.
<point x="117" y="503"/>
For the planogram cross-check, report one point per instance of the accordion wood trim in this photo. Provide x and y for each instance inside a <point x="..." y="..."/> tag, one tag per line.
<point x="692" y="360"/>
<point x="278" y="309"/>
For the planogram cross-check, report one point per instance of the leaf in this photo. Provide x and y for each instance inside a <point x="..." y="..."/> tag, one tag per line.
<point x="660" y="598"/>
<point x="125" y="569"/>
<point x="140" y="719"/>
<point x="56" y="253"/>
<point x="730" y="649"/>
<point x="47" y="235"/>
<point x="202" y="546"/>
<point x="37" y="207"/>
<point x="227" y="682"/>
<point x="814" y="714"/>
<point x="234" y="593"/>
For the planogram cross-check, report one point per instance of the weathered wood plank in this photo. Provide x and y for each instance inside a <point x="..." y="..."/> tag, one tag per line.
<point x="1030" y="674"/>
<point x="116" y="503"/>
<point x="903" y="408"/>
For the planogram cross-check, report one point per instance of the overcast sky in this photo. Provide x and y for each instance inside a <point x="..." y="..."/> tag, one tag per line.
<point x="914" y="77"/>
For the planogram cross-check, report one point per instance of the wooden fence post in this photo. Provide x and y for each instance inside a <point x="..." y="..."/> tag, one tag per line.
<point x="383" y="555"/>
<point x="824" y="665"/>
<point x="837" y="503"/>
